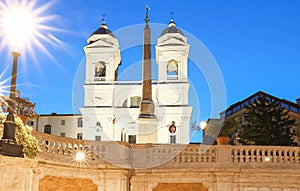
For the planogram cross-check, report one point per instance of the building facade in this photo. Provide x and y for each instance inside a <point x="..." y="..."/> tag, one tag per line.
<point x="111" y="107"/>
<point x="64" y="125"/>
<point x="237" y="111"/>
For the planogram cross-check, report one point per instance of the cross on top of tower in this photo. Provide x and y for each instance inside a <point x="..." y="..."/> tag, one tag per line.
<point x="172" y="15"/>
<point x="172" y="23"/>
<point x="103" y="18"/>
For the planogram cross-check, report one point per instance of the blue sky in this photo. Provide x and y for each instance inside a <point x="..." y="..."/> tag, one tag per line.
<point x="255" y="43"/>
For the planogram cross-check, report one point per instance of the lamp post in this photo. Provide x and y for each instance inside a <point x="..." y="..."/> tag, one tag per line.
<point x="21" y="24"/>
<point x="199" y="127"/>
<point x="8" y="144"/>
<point x="203" y="126"/>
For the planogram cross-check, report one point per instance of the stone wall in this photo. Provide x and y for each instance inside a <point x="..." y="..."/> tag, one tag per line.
<point x="16" y="173"/>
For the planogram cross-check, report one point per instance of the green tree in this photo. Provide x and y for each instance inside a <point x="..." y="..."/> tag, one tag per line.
<point x="23" y="105"/>
<point x="298" y="131"/>
<point x="267" y="123"/>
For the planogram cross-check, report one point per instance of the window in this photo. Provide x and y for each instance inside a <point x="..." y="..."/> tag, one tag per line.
<point x="100" y="69"/>
<point x="132" y="139"/>
<point x="135" y="101"/>
<point x="62" y="134"/>
<point x="172" y="70"/>
<point x="47" y="129"/>
<point x="79" y="122"/>
<point x="172" y="139"/>
<point x="294" y="109"/>
<point x="30" y="123"/>
<point x="63" y="122"/>
<point x="79" y="136"/>
<point x="284" y="105"/>
<point x="97" y="138"/>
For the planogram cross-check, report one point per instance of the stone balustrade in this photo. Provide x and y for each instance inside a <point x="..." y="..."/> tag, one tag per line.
<point x="136" y="156"/>
<point x="58" y="145"/>
<point x="269" y="154"/>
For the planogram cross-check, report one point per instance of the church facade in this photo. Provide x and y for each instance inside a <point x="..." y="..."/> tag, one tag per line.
<point x="112" y="108"/>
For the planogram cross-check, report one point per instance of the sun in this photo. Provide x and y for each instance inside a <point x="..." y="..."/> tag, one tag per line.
<point x="25" y="27"/>
<point x="23" y="23"/>
<point x="19" y="25"/>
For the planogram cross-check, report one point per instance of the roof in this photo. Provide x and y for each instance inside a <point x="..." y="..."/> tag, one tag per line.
<point x="291" y="106"/>
<point x="55" y="114"/>
<point x="103" y="29"/>
<point x="171" y="29"/>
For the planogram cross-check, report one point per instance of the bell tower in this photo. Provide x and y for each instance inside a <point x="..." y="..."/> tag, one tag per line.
<point x="102" y="62"/>
<point x="172" y="53"/>
<point x="172" y="91"/>
<point x="102" y="56"/>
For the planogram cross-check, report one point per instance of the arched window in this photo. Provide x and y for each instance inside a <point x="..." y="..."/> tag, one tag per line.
<point x="172" y="70"/>
<point x="100" y="69"/>
<point x="135" y="101"/>
<point x="125" y="103"/>
<point x="47" y="129"/>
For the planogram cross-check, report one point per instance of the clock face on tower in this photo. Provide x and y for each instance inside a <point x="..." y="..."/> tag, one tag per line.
<point x="98" y="99"/>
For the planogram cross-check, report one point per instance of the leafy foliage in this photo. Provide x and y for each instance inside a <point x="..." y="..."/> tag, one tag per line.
<point x="267" y="124"/>
<point x="23" y="136"/>
<point x="298" y="131"/>
<point x="23" y="106"/>
<point x="228" y="127"/>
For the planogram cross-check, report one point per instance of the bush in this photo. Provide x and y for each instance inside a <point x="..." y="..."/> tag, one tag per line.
<point x="23" y="137"/>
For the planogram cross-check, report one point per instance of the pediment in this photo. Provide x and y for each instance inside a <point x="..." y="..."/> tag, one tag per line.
<point x="173" y="41"/>
<point x="100" y="44"/>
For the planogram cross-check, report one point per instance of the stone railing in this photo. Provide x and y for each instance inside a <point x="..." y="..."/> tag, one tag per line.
<point x="268" y="154"/>
<point x="122" y="154"/>
<point x="58" y="145"/>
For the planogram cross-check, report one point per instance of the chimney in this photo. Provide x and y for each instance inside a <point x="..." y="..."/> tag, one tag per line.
<point x="147" y="105"/>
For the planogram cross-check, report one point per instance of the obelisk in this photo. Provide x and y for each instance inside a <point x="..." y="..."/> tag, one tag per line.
<point x="147" y="130"/>
<point x="147" y="105"/>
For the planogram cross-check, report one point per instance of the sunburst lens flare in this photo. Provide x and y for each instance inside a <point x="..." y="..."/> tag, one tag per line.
<point x="18" y="25"/>
<point x="80" y="156"/>
<point x="22" y="23"/>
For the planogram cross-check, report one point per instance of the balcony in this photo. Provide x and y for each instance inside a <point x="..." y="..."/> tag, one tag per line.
<point x="99" y="78"/>
<point x="172" y="77"/>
